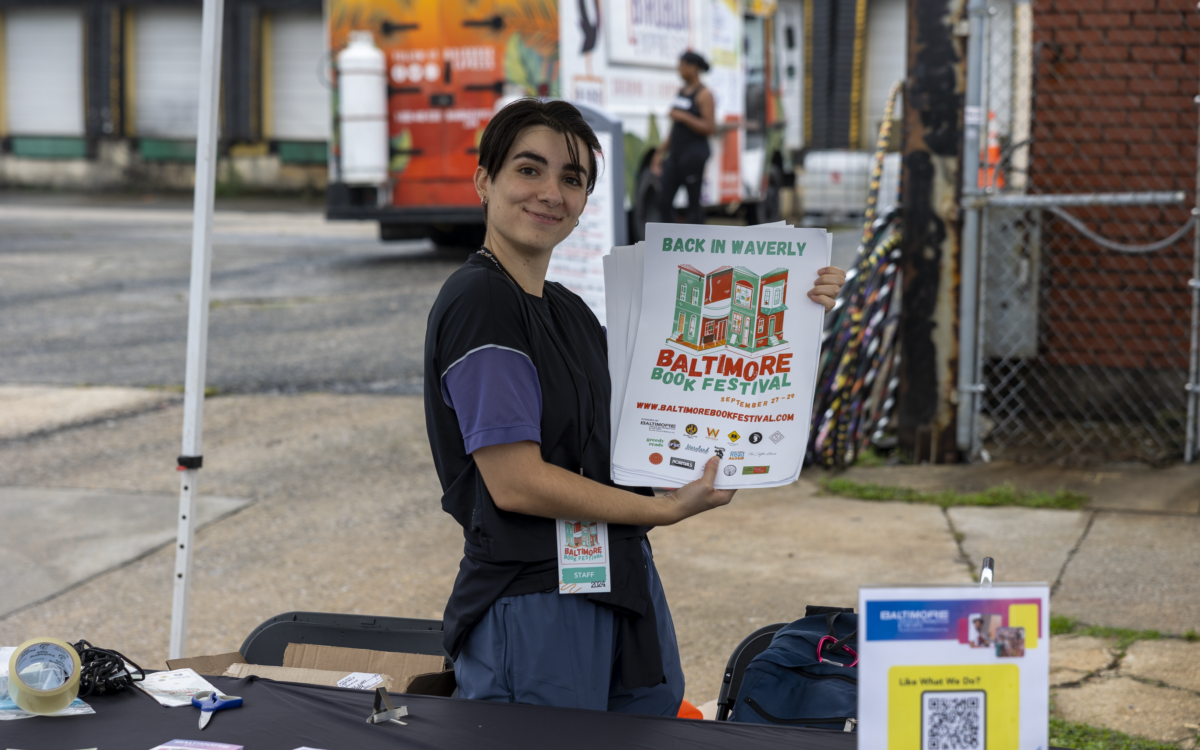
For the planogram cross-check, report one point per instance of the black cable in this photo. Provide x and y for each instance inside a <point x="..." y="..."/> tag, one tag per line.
<point x="103" y="671"/>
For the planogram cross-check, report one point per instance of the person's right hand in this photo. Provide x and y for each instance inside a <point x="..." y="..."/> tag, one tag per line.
<point x="699" y="496"/>
<point x="656" y="164"/>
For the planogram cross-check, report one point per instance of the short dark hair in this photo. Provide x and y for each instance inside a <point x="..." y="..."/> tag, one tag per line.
<point x="694" y="58"/>
<point x="561" y="117"/>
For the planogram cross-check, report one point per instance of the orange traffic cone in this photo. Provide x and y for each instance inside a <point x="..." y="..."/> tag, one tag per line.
<point x="990" y="174"/>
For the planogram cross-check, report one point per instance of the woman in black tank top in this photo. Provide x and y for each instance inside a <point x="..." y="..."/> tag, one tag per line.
<point x="686" y="147"/>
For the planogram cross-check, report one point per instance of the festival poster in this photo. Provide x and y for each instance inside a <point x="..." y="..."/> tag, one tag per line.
<point x="726" y="354"/>
<point x="954" y="666"/>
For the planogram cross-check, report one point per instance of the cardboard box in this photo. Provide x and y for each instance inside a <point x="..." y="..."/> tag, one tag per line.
<point x="214" y="666"/>
<point x="421" y="671"/>
<point x="297" y="674"/>
<point x="420" y="674"/>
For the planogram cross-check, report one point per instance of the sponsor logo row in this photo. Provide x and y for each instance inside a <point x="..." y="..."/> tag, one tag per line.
<point x="729" y="470"/>
<point x="654" y="425"/>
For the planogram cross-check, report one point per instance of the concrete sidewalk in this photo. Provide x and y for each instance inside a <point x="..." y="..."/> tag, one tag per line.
<point x="34" y="410"/>
<point x="345" y="518"/>
<point x="1130" y="559"/>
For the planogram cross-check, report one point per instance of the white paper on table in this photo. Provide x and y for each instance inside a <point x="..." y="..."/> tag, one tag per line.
<point x="195" y="745"/>
<point x="774" y="412"/>
<point x="9" y="710"/>
<point x="175" y="688"/>
<point x="360" y="681"/>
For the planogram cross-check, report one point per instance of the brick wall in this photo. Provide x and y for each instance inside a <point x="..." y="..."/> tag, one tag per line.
<point x="1114" y="112"/>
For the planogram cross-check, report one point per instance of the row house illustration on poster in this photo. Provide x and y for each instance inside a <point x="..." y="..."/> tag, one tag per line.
<point x="730" y="307"/>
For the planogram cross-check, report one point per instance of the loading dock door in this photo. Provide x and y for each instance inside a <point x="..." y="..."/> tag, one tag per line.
<point x="43" y="63"/>
<point x="299" y="100"/>
<point x="887" y="62"/>
<point x="789" y="27"/>
<point x="167" y="72"/>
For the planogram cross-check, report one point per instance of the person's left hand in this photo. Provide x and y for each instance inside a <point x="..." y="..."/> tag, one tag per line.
<point x="676" y="114"/>
<point x="825" y="290"/>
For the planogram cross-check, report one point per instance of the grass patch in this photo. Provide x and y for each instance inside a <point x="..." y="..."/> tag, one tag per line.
<point x="1005" y="494"/>
<point x="209" y="390"/>
<point x="1191" y="636"/>
<point x="871" y="458"/>
<point x="1084" y="737"/>
<point x="1063" y="625"/>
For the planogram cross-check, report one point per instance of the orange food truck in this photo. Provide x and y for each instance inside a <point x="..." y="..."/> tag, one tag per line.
<point x="436" y="70"/>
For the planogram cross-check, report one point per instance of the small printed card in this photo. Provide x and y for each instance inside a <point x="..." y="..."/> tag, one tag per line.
<point x="583" y="564"/>
<point x="360" y="680"/>
<point x="175" y="688"/>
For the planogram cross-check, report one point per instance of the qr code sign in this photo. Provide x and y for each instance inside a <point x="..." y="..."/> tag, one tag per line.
<point x="952" y="720"/>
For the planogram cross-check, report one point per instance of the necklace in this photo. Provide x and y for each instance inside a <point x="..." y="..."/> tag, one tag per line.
<point x="484" y="251"/>
<point x="490" y="256"/>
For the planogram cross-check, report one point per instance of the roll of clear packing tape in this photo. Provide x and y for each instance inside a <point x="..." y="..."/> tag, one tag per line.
<point x="43" y="675"/>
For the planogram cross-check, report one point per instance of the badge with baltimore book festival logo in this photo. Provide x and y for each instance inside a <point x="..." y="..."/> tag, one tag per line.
<point x="583" y="559"/>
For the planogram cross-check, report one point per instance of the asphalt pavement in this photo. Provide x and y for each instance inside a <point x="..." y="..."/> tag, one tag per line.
<point x="94" y="290"/>
<point x="97" y="294"/>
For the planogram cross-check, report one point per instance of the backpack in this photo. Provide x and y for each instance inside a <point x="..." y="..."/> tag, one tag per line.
<point x="790" y="684"/>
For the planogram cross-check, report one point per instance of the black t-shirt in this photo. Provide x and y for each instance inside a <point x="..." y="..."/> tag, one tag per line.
<point x="687" y="144"/>
<point x="507" y="553"/>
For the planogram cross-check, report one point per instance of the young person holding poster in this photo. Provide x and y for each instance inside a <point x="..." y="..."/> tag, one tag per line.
<point x="517" y="410"/>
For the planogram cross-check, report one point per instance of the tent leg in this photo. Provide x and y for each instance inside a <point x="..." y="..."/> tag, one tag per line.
<point x="186" y="534"/>
<point x="197" y="344"/>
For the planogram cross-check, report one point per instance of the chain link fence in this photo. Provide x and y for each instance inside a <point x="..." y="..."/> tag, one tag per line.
<point x="1085" y="313"/>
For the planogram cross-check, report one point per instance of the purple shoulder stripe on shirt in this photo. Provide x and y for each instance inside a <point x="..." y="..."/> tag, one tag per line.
<point x="497" y="397"/>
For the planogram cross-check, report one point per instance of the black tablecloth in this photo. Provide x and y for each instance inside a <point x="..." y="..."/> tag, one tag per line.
<point x="285" y="715"/>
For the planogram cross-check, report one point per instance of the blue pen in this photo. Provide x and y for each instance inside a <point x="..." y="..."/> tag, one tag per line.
<point x="209" y="702"/>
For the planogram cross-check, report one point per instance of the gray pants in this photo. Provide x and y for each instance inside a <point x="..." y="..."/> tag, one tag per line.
<point x="554" y="649"/>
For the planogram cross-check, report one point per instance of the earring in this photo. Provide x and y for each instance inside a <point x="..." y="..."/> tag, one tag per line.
<point x="576" y="223"/>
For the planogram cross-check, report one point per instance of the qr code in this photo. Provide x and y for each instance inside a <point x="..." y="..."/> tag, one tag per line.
<point x="952" y="720"/>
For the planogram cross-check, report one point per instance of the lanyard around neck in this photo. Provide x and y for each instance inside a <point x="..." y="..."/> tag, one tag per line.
<point x="572" y="360"/>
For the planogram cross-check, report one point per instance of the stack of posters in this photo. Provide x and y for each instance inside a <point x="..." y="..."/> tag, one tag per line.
<point x="713" y="349"/>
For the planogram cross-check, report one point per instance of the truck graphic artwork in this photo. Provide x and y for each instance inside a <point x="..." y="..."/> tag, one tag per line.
<point x="440" y="70"/>
<point x="730" y="307"/>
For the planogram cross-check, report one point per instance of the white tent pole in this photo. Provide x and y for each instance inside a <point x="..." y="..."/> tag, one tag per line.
<point x="197" y="342"/>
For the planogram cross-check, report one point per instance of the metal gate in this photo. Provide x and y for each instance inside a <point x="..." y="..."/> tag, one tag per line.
<point x="1081" y="253"/>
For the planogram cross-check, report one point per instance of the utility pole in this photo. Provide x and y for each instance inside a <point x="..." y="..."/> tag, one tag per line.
<point x="930" y="251"/>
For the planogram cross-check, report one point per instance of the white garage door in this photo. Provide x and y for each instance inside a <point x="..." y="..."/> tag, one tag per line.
<point x="299" y="101"/>
<point x="43" y="63"/>
<point x="167" y="72"/>
<point x="887" y="61"/>
<point x="789" y="28"/>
